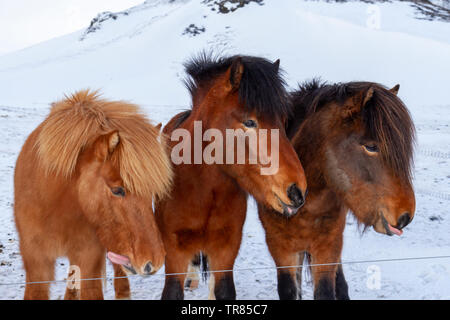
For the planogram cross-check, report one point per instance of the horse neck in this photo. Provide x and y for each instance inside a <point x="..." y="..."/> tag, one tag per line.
<point x="208" y="175"/>
<point x="308" y="143"/>
<point x="198" y="114"/>
<point x="321" y="198"/>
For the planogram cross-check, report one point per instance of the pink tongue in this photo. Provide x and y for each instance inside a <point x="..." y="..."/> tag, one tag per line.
<point x="394" y="230"/>
<point x="117" y="258"/>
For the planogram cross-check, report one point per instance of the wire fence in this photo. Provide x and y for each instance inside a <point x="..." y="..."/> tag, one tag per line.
<point x="239" y="269"/>
<point x="434" y="153"/>
<point x="434" y="194"/>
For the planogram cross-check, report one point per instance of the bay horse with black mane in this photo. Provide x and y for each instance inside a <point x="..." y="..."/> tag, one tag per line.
<point x="355" y="141"/>
<point x="206" y="208"/>
<point x="83" y="187"/>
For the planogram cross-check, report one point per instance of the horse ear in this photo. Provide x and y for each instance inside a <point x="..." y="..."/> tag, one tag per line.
<point x="367" y="96"/>
<point x="358" y="102"/>
<point x="276" y="65"/>
<point x="395" y="89"/>
<point x="158" y="126"/>
<point x="106" y="144"/>
<point x="236" y="71"/>
<point x="113" y="141"/>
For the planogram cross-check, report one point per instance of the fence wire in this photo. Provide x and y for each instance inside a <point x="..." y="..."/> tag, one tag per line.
<point x="235" y="270"/>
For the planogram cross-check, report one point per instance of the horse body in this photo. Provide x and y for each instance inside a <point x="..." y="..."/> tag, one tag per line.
<point x="317" y="231"/>
<point x="355" y="143"/>
<point x="206" y="209"/>
<point x="209" y="220"/>
<point x="49" y="229"/>
<point x="77" y="196"/>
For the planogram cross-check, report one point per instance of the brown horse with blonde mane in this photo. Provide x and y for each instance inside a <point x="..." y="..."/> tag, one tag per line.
<point x="83" y="187"/>
<point x="206" y="209"/>
<point x="355" y="141"/>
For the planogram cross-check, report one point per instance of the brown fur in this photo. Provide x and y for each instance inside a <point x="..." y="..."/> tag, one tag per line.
<point x="330" y="126"/>
<point x="64" y="205"/>
<point x="207" y="205"/>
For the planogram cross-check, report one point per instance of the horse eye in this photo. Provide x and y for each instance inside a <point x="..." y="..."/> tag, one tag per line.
<point x="371" y="148"/>
<point x="118" y="191"/>
<point x="250" y="123"/>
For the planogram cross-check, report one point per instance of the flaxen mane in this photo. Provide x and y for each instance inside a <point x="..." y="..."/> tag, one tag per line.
<point x="386" y="118"/>
<point x="262" y="87"/>
<point x="77" y="121"/>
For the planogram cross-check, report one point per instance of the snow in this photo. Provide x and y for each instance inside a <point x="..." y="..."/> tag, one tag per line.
<point x="138" y="57"/>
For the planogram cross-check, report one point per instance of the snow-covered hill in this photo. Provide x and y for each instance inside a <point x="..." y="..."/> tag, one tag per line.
<point x="137" y="55"/>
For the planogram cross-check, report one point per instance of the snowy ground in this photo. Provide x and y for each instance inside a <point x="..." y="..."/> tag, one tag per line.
<point x="138" y="57"/>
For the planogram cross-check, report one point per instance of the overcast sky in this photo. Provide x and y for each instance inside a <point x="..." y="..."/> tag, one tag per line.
<point x="27" y="22"/>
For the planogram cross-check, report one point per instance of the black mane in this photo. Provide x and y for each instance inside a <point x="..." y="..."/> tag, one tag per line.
<point x="262" y="87"/>
<point x="302" y="104"/>
<point x="385" y="117"/>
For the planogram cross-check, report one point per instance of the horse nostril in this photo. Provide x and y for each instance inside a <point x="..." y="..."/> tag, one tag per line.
<point x="295" y="195"/>
<point x="148" y="268"/>
<point x="403" y="221"/>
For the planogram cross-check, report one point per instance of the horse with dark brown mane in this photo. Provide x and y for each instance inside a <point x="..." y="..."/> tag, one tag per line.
<point x="206" y="209"/>
<point x="83" y="186"/>
<point x="355" y="141"/>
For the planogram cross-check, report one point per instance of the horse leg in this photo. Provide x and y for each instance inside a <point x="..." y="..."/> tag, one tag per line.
<point x="121" y="284"/>
<point x="287" y="277"/>
<point x="341" y="285"/>
<point x="325" y="255"/>
<point x="38" y="268"/>
<point x="92" y="289"/>
<point x="324" y="281"/>
<point x="221" y="256"/>
<point x="177" y="261"/>
<point x="221" y="285"/>
<point x="72" y="294"/>
<point x="91" y="261"/>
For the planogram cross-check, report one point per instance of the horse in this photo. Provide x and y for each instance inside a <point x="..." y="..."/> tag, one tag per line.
<point x="206" y="208"/>
<point x="355" y="141"/>
<point x="83" y="187"/>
